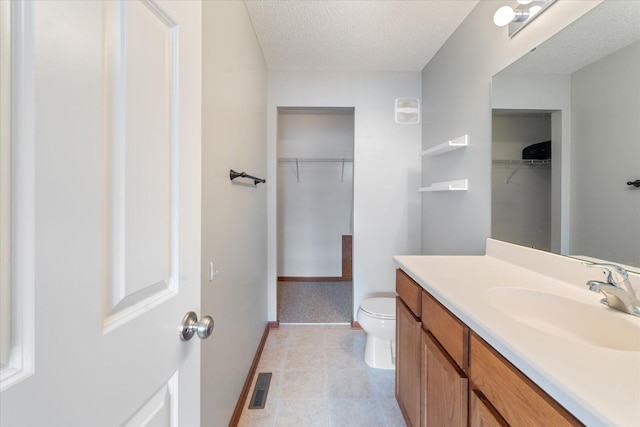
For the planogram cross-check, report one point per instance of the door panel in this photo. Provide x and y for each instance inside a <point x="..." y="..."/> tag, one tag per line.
<point x="16" y="197"/>
<point x="116" y="224"/>
<point x="141" y="169"/>
<point x="160" y="410"/>
<point x="149" y="149"/>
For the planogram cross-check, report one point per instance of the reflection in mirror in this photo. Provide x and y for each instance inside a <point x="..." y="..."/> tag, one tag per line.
<point x="581" y="91"/>
<point x="521" y="178"/>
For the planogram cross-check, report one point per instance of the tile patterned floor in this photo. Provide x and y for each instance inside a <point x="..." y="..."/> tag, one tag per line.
<point x="320" y="379"/>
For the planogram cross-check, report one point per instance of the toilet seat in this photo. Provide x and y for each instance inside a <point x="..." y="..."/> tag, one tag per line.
<point x="380" y="308"/>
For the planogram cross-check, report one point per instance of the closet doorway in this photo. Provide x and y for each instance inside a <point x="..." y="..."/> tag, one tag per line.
<point x="521" y="178"/>
<point x="315" y="214"/>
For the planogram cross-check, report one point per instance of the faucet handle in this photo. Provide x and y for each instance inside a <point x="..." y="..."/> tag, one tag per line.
<point x="615" y="274"/>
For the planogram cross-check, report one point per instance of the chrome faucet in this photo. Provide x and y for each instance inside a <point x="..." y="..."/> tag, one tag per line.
<point x="617" y="290"/>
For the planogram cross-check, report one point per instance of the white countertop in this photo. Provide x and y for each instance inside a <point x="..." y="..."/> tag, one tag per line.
<point x="599" y="386"/>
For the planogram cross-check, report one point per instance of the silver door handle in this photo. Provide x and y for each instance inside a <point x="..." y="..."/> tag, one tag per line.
<point x="190" y="326"/>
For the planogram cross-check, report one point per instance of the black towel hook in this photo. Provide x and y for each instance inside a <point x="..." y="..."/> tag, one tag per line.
<point x="635" y="183"/>
<point x="233" y="175"/>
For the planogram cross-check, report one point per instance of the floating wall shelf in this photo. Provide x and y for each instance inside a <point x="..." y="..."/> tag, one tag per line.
<point x="454" y="144"/>
<point x="458" y="185"/>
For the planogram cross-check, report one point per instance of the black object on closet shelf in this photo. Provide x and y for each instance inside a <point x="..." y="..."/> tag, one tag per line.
<point x="539" y="151"/>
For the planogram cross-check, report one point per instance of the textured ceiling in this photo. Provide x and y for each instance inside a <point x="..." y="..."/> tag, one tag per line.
<point x="354" y="34"/>
<point x="606" y="28"/>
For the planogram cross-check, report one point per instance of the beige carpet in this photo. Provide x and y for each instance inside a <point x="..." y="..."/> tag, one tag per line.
<point x="315" y="302"/>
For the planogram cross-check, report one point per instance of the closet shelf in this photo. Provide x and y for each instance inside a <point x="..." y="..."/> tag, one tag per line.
<point x="519" y="163"/>
<point x="297" y="160"/>
<point x="314" y="160"/>
<point x="457" y="185"/>
<point x="445" y="147"/>
<point x="522" y="162"/>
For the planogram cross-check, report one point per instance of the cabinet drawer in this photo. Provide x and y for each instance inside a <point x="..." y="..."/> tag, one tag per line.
<point x="409" y="292"/>
<point x="451" y="333"/>
<point x="518" y="400"/>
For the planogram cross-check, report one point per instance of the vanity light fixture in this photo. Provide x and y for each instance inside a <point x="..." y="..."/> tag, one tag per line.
<point x="521" y="15"/>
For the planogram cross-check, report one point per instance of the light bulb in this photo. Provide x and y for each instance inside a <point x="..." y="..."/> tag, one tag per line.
<point x="503" y="16"/>
<point x="533" y="10"/>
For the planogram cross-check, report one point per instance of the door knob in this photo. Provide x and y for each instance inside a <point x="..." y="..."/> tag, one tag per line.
<point x="190" y="326"/>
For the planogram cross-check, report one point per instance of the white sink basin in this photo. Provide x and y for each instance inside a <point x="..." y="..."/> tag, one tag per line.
<point x="553" y="314"/>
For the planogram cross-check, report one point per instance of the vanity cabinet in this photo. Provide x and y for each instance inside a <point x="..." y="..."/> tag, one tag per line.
<point x="447" y="375"/>
<point x="432" y="349"/>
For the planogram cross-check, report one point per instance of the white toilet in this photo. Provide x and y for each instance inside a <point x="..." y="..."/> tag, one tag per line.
<point x="377" y="316"/>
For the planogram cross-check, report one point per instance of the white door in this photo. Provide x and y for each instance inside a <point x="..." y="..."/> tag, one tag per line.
<point x="105" y="214"/>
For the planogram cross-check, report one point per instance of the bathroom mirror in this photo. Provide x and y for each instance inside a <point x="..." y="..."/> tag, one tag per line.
<point x="581" y="91"/>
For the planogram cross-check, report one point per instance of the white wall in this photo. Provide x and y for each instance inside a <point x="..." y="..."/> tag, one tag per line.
<point x="609" y="156"/>
<point x="315" y="200"/>
<point x="520" y="195"/>
<point x="456" y="93"/>
<point x="386" y="218"/>
<point x="233" y="215"/>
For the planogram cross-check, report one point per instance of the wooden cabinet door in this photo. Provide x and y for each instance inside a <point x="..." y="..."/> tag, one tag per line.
<point x="444" y="387"/>
<point x="482" y="414"/>
<point x="408" y="363"/>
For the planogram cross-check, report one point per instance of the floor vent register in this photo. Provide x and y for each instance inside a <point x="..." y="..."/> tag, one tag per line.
<point x="259" y="397"/>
